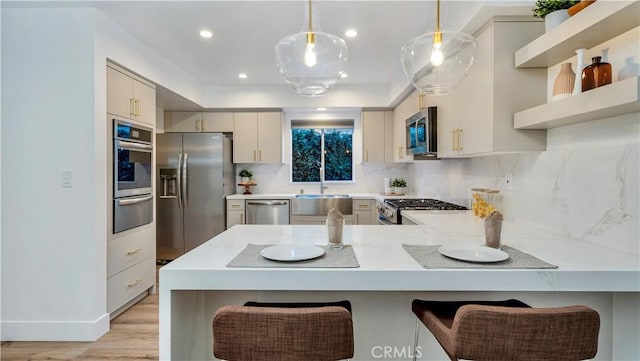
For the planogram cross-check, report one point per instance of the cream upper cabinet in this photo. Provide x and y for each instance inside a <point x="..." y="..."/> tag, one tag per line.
<point x="477" y="118"/>
<point x="257" y="137"/>
<point x="216" y="122"/>
<point x="377" y="136"/>
<point x="404" y="110"/>
<point x="190" y="122"/>
<point x="183" y="122"/>
<point x="130" y="97"/>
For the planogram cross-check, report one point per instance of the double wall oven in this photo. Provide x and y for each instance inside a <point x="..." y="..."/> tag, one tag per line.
<point x="132" y="174"/>
<point x="390" y="210"/>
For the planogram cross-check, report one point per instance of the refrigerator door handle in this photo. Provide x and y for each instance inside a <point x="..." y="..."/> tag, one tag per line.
<point x="179" y="178"/>
<point x="185" y="185"/>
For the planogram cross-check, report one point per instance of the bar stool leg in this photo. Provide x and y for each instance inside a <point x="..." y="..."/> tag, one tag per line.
<point x="415" y="340"/>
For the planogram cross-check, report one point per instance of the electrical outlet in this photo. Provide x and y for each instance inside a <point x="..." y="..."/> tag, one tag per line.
<point x="508" y="181"/>
<point x="67" y="179"/>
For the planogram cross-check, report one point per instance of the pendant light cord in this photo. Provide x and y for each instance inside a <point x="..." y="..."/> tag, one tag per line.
<point x="311" y="16"/>
<point x="437" y="16"/>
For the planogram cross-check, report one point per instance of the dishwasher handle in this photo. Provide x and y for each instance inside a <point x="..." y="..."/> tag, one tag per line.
<point x="268" y="203"/>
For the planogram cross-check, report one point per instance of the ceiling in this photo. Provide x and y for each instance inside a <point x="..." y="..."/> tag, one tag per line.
<point x="246" y="32"/>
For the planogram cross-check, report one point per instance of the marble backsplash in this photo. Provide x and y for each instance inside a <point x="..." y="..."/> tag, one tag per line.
<point x="584" y="187"/>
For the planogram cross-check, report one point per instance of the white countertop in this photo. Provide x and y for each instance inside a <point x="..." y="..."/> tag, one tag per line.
<point x="384" y="264"/>
<point x="293" y="195"/>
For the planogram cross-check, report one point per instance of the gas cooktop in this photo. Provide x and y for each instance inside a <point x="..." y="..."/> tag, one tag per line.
<point x="423" y="204"/>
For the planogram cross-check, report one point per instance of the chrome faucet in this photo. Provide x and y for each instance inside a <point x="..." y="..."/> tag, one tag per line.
<point x="322" y="186"/>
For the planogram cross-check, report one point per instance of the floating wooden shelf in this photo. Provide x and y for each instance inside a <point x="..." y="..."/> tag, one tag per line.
<point x="611" y="100"/>
<point x="599" y="22"/>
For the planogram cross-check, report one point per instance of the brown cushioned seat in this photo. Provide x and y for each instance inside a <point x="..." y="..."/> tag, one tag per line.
<point x="286" y="332"/>
<point x="510" y="330"/>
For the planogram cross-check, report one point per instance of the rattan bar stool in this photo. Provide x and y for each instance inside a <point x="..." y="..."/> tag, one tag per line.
<point x="283" y="331"/>
<point x="509" y="330"/>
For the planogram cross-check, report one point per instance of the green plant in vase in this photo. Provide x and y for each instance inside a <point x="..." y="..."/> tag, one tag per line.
<point x="545" y="7"/>
<point x="398" y="185"/>
<point x="246" y="175"/>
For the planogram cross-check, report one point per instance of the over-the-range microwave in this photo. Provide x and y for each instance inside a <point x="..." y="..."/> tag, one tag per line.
<point x="422" y="134"/>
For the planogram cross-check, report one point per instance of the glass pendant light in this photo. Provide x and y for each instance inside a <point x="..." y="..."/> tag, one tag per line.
<point x="436" y="63"/>
<point x="311" y="61"/>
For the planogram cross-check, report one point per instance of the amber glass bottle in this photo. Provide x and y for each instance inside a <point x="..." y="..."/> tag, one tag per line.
<point x="596" y="74"/>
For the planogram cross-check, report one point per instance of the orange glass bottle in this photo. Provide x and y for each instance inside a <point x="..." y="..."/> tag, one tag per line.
<point x="596" y="74"/>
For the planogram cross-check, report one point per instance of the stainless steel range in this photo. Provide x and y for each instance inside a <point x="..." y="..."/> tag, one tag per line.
<point x="389" y="210"/>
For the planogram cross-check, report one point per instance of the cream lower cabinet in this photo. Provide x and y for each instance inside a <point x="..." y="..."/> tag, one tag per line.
<point x="129" y="96"/>
<point x="377" y="136"/>
<point x="364" y="211"/>
<point x="257" y="137"/>
<point x="235" y="212"/>
<point x="477" y="118"/>
<point x="195" y="122"/>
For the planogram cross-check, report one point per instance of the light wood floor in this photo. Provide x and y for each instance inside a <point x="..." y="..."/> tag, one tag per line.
<point x="133" y="336"/>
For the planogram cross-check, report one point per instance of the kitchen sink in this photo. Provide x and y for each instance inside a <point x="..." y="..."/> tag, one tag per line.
<point x="322" y="196"/>
<point x="321" y="204"/>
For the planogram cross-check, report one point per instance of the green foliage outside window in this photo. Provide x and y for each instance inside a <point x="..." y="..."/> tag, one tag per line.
<point x="306" y="154"/>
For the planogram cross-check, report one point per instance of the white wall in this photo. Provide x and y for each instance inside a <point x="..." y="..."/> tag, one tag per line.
<point x="53" y="264"/>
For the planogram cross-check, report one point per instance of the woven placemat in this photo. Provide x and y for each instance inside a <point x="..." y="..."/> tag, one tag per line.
<point x="429" y="257"/>
<point x="332" y="258"/>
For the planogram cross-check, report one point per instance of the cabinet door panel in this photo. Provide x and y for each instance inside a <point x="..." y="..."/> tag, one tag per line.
<point x="145" y="95"/>
<point x="270" y="137"/>
<point x="119" y="93"/>
<point x="245" y="137"/>
<point x="217" y="122"/>
<point x="373" y="137"/>
<point x="186" y="122"/>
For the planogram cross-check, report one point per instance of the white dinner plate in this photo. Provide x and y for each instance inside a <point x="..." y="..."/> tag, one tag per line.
<point x="481" y="254"/>
<point x="291" y="252"/>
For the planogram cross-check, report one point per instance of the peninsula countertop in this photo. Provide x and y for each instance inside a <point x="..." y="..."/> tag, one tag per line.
<point x="385" y="265"/>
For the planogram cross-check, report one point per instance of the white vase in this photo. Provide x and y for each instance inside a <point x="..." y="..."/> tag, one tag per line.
<point x="577" y="86"/>
<point x="554" y="19"/>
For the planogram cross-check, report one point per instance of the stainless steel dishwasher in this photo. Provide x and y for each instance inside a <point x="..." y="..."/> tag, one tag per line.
<point x="267" y="211"/>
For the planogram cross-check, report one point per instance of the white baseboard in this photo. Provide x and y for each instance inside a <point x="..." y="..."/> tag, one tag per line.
<point x="54" y="330"/>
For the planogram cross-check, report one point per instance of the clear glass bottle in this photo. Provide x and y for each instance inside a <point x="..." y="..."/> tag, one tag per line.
<point x="484" y="201"/>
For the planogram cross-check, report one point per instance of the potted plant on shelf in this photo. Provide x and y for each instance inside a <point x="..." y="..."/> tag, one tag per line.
<point x="398" y="185"/>
<point x="553" y="11"/>
<point x="245" y="175"/>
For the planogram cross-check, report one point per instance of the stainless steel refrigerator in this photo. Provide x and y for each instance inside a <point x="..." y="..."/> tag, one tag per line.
<point x="195" y="173"/>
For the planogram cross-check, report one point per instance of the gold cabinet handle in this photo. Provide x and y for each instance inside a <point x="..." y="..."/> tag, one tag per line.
<point x="363" y="206"/>
<point x="400" y="151"/>
<point x="459" y="142"/>
<point x="202" y="125"/>
<point x="366" y="155"/>
<point x="134" y="283"/>
<point x="197" y="125"/>
<point x="132" y="110"/>
<point x="133" y="251"/>
<point x="260" y="155"/>
<point x="255" y="157"/>
<point x="235" y="206"/>
<point x="137" y="109"/>
<point x="357" y="219"/>
<point x="241" y="218"/>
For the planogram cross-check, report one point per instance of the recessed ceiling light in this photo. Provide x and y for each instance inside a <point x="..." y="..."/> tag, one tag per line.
<point x="351" y="33"/>
<point x="206" y="34"/>
<point x="344" y="75"/>
<point x="321" y="109"/>
<point x="242" y="76"/>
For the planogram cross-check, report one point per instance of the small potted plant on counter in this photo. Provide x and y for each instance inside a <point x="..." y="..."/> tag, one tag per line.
<point x="245" y="175"/>
<point x="398" y="185"/>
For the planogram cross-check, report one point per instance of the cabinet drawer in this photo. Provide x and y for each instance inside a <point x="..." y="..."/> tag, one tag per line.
<point x="126" y="285"/>
<point x="124" y="252"/>
<point x="361" y="205"/>
<point x="235" y="204"/>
